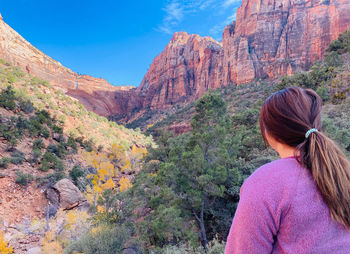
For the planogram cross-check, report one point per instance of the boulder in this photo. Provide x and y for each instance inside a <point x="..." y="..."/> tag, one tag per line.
<point x="69" y="194"/>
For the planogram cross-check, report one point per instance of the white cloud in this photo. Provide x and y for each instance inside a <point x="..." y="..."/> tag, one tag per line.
<point x="216" y="31"/>
<point x="175" y="12"/>
<point x="228" y="3"/>
<point x="174" y="15"/>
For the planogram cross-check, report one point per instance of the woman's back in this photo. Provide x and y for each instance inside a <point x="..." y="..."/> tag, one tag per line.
<point x="282" y="211"/>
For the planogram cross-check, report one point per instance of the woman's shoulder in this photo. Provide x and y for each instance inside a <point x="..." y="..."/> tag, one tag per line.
<point x="275" y="177"/>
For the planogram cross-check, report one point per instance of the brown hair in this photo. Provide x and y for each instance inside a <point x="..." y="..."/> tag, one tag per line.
<point x="286" y="116"/>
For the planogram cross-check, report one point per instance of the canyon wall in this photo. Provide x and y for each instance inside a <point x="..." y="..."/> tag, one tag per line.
<point x="95" y="94"/>
<point x="269" y="38"/>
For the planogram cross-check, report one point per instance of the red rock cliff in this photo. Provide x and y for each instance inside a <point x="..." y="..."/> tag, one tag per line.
<point x="186" y="68"/>
<point x="269" y="38"/>
<point x="276" y="37"/>
<point x="94" y="93"/>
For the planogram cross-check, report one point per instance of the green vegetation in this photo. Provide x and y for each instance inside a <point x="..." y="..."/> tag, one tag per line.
<point x="185" y="197"/>
<point x="23" y="179"/>
<point x="17" y="157"/>
<point x="51" y="161"/>
<point x="4" y="162"/>
<point x="34" y="94"/>
<point x="76" y="174"/>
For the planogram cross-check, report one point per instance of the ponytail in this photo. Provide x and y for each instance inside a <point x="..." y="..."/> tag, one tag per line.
<point x="287" y="116"/>
<point x="330" y="170"/>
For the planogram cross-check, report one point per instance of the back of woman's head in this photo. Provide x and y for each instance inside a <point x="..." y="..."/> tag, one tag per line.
<point x="287" y="116"/>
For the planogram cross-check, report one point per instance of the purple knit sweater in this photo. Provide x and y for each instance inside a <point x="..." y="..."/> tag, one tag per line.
<point x="282" y="211"/>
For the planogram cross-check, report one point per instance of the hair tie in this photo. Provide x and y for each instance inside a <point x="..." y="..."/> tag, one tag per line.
<point x="307" y="134"/>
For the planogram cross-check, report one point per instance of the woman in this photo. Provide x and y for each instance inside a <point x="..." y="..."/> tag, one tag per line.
<point x="301" y="202"/>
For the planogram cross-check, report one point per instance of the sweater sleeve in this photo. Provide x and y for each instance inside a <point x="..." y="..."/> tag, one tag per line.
<point x="254" y="224"/>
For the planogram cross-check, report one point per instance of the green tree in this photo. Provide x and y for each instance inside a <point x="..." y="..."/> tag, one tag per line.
<point x="197" y="178"/>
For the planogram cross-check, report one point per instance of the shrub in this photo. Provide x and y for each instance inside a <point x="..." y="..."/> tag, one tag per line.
<point x="39" y="81"/>
<point x="17" y="157"/>
<point x="87" y="145"/>
<point x="4" y="162"/>
<point x="26" y="106"/>
<point x="214" y="247"/>
<point x="102" y="239"/>
<point x="59" y="150"/>
<point x="322" y="91"/>
<point x="21" y="125"/>
<point x="36" y="155"/>
<point x="51" y="178"/>
<point x="7" y="98"/>
<point x="333" y="59"/>
<point x="72" y="144"/>
<point x="38" y="144"/>
<point x="45" y="132"/>
<point x="23" y="178"/>
<point x="341" y="45"/>
<point x="75" y="173"/>
<point x="43" y="116"/>
<point x="51" y="161"/>
<point x="57" y="129"/>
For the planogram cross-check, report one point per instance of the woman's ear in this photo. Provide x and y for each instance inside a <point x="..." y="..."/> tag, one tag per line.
<point x="271" y="140"/>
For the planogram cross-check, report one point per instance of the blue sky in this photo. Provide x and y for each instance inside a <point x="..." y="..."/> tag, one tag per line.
<point x="113" y="39"/>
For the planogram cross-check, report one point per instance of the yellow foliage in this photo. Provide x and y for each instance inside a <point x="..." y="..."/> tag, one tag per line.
<point x="108" y="166"/>
<point x="102" y="180"/>
<point x="50" y="245"/>
<point x="108" y="185"/>
<point x="4" y="248"/>
<point x="124" y="184"/>
<point x="100" y="209"/>
<point x="72" y="217"/>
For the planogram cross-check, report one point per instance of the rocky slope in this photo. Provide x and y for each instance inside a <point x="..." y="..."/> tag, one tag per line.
<point x="270" y="38"/>
<point x="94" y="93"/>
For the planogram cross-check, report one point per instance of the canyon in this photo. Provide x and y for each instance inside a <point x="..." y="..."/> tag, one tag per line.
<point x="269" y="39"/>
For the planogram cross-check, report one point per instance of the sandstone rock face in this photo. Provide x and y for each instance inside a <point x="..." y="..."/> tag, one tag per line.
<point x="269" y="38"/>
<point x="94" y="93"/>
<point x="276" y="37"/>
<point x="186" y="68"/>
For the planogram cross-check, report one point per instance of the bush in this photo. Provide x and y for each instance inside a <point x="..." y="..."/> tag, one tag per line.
<point x="322" y="91"/>
<point x="17" y="157"/>
<point x="87" y="145"/>
<point x="341" y="45"/>
<point x="36" y="155"/>
<point x="45" y="132"/>
<point x="43" y="116"/>
<point x="72" y="144"/>
<point x="105" y="240"/>
<point x="51" y="178"/>
<point x="23" y="179"/>
<point x="51" y="161"/>
<point x="26" y="106"/>
<point x="214" y="247"/>
<point x="333" y="59"/>
<point x="39" y="81"/>
<point x="4" y="162"/>
<point x="75" y="173"/>
<point x="59" y="150"/>
<point x="7" y="98"/>
<point x="38" y="144"/>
